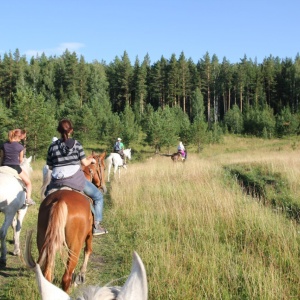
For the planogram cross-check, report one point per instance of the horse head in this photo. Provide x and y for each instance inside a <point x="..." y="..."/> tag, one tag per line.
<point x="99" y="173"/>
<point x="127" y="153"/>
<point x="135" y="287"/>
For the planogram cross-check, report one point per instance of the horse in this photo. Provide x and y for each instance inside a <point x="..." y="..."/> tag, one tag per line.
<point x="12" y="199"/>
<point x="178" y="157"/>
<point x="95" y="172"/>
<point x="135" y="287"/>
<point x="65" y="221"/>
<point x="115" y="159"/>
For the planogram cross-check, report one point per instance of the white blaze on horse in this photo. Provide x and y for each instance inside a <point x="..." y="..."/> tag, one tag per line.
<point x="135" y="287"/>
<point x="12" y="199"/>
<point x="115" y="160"/>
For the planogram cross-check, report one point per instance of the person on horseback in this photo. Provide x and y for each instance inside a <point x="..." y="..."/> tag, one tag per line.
<point x="13" y="155"/>
<point x="118" y="148"/>
<point x="64" y="158"/>
<point x="181" y="149"/>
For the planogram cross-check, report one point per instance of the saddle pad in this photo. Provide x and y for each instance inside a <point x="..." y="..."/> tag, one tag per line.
<point x="69" y="189"/>
<point x="10" y="171"/>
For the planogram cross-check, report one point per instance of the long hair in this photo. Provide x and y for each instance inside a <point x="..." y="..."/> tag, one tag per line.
<point x="65" y="128"/>
<point x="12" y="134"/>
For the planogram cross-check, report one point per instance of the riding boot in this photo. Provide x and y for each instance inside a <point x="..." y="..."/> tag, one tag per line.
<point x="98" y="230"/>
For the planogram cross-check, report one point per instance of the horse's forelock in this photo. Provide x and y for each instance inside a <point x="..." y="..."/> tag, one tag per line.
<point x="99" y="293"/>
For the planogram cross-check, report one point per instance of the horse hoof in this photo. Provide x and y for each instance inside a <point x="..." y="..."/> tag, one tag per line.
<point x="17" y="252"/>
<point x="79" y="278"/>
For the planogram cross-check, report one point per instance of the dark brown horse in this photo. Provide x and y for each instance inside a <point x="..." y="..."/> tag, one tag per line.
<point x="177" y="157"/>
<point x="65" y="221"/>
<point x="95" y="172"/>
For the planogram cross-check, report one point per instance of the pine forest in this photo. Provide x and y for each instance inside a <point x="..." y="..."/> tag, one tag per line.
<point x="151" y="103"/>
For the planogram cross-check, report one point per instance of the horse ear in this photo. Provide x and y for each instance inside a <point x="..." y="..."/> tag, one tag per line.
<point x="136" y="286"/>
<point x="48" y="291"/>
<point x="29" y="159"/>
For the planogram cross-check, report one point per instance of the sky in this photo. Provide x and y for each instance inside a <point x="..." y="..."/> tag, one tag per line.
<point x="103" y="29"/>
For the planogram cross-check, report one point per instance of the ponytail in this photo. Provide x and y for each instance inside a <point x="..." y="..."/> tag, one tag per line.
<point x="12" y="134"/>
<point x="65" y="128"/>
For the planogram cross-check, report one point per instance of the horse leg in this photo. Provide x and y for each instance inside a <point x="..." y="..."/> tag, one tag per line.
<point x="80" y="278"/>
<point x="3" y="232"/>
<point x="74" y="251"/>
<point x="108" y="171"/>
<point x="117" y="168"/>
<point x="17" y="226"/>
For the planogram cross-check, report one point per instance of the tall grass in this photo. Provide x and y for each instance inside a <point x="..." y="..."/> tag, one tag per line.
<point x="199" y="236"/>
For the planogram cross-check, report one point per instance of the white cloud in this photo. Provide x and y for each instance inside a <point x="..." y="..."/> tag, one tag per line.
<point x="72" y="47"/>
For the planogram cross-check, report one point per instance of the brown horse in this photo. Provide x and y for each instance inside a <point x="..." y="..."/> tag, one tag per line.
<point x="65" y="219"/>
<point x="177" y="157"/>
<point x="95" y="172"/>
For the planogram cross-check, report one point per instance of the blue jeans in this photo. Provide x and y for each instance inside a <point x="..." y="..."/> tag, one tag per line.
<point x="91" y="190"/>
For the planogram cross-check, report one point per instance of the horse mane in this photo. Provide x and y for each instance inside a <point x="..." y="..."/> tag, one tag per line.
<point x="26" y="165"/>
<point x="98" y="293"/>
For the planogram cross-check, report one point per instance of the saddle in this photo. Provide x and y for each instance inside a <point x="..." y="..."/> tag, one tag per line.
<point x="70" y="189"/>
<point x="10" y="171"/>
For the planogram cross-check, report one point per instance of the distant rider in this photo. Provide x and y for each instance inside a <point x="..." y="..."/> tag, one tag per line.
<point x="181" y="149"/>
<point x="119" y="148"/>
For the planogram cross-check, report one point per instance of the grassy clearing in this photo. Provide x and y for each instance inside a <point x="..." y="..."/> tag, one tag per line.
<point x="199" y="235"/>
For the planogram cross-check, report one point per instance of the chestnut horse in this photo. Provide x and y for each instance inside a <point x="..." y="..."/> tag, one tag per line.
<point x="135" y="287"/>
<point x="95" y="172"/>
<point x="65" y="221"/>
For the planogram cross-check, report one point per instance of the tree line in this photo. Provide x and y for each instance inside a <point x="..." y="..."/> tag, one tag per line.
<point x="151" y="103"/>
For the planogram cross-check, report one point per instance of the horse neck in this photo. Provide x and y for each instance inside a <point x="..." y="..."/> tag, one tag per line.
<point x="126" y="152"/>
<point x="99" y="169"/>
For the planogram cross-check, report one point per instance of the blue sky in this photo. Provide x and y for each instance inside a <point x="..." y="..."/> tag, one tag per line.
<point x="101" y="30"/>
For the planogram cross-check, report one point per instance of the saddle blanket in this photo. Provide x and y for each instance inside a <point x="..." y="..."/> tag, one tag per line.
<point x="70" y="189"/>
<point x="9" y="170"/>
<point x="12" y="172"/>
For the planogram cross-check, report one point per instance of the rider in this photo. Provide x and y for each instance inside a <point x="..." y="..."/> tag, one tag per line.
<point x="65" y="157"/>
<point x="181" y="149"/>
<point x="13" y="155"/>
<point x="119" y="148"/>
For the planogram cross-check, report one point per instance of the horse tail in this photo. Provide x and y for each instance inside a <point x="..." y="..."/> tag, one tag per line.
<point x="55" y="237"/>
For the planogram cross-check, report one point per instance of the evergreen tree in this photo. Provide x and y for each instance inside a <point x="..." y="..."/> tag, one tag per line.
<point x="34" y="115"/>
<point x="173" y="81"/>
<point x="234" y="121"/>
<point x="112" y="131"/>
<point x="130" y="129"/>
<point x="184" y="81"/>
<point x="286" y="122"/>
<point x="5" y="122"/>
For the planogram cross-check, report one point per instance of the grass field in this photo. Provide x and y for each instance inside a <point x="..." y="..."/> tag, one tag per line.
<point x="199" y="235"/>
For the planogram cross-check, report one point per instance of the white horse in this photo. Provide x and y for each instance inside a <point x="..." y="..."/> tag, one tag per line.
<point x="12" y="199"/>
<point x="115" y="159"/>
<point x="135" y="287"/>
